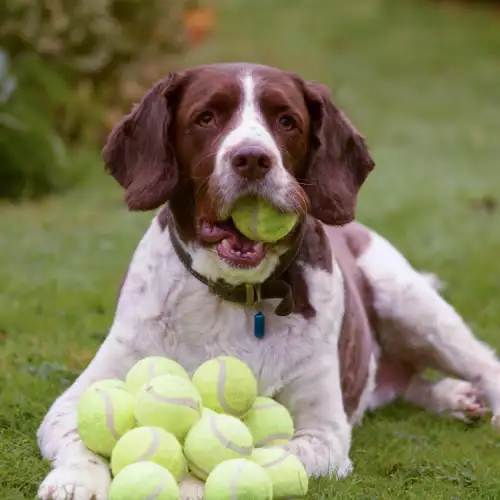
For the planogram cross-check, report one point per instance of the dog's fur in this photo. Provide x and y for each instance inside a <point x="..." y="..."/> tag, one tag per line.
<point x="365" y="324"/>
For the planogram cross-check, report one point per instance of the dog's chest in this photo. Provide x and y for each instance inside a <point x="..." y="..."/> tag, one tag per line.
<point x="200" y="326"/>
<point x="179" y="317"/>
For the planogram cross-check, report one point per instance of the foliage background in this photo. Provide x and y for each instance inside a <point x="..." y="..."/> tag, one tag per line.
<point x="69" y="69"/>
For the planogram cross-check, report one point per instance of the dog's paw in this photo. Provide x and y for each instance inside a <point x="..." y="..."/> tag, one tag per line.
<point x="460" y="399"/>
<point x="320" y="459"/>
<point x="72" y="483"/>
<point x="191" y="488"/>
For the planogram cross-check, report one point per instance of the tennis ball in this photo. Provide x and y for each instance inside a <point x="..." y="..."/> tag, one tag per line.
<point x="238" y="479"/>
<point x="269" y="423"/>
<point x="226" y="385"/>
<point x="205" y="412"/>
<point x="214" y="439"/>
<point x="286" y="471"/>
<point x="144" y="481"/>
<point x="170" y="402"/>
<point x="149" y="444"/>
<point x="109" y="383"/>
<point x="103" y="416"/>
<point x="148" y="368"/>
<point x="258" y="220"/>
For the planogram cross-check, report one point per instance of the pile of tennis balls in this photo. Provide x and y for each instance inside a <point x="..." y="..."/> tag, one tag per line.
<point x="158" y="425"/>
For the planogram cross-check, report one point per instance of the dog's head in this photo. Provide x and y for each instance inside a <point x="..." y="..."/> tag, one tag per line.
<point x="205" y="137"/>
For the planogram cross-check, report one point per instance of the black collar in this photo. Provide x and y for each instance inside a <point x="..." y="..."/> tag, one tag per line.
<point x="275" y="287"/>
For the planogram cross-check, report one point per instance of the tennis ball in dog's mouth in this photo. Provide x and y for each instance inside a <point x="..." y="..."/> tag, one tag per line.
<point x="258" y="220"/>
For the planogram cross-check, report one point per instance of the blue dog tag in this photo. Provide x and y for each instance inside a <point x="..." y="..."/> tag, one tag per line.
<point x="259" y="325"/>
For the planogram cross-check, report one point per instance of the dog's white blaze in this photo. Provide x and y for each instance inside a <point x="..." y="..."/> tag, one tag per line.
<point x="251" y="126"/>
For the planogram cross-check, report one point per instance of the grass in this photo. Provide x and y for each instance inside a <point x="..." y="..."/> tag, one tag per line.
<point x="422" y="82"/>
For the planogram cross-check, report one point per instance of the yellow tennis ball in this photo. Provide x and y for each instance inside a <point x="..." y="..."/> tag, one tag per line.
<point x="205" y="412"/>
<point x="170" y="402"/>
<point x="149" y="368"/>
<point x="108" y="383"/>
<point x="238" y="479"/>
<point x="258" y="220"/>
<point x="226" y="385"/>
<point x="269" y="422"/>
<point x="103" y="416"/>
<point x="143" y="481"/>
<point x="214" y="439"/>
<point x="149" y="444"/>
<point x="286" y="471"/>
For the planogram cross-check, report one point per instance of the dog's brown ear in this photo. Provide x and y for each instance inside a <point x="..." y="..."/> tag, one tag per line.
<point x="138" y="152"/>
<point x="339" y="161"/>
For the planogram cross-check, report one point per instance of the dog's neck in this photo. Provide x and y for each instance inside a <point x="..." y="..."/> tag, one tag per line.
<point x="275" y="286"/>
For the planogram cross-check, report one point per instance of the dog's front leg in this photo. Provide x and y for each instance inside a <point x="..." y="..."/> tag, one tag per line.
<point x="77" y="473"/>
<point x="322" y="432"/>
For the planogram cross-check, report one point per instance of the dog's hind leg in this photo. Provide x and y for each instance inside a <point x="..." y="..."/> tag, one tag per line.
<point x="416" y="325"/>
<point x="448" y="397"/>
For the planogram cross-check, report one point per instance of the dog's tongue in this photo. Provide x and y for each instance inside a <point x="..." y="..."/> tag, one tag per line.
<point x="232" y="245"/>
<point x="214" y="233"/>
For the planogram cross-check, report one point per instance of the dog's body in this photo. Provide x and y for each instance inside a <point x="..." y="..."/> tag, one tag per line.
<point x="363" y="324"/>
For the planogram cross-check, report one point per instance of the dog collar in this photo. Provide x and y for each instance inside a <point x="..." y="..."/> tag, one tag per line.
<point x="251" y="295"/>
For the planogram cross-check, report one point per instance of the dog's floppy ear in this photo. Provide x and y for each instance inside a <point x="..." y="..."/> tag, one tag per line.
<point x="339" y="161"/>
<point x="138" y="152"/>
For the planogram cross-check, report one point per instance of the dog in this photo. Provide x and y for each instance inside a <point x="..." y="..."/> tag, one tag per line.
<point x="349" y="324"/>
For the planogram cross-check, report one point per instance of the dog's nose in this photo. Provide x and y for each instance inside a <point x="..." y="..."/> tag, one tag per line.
<point x="251" y="161"/>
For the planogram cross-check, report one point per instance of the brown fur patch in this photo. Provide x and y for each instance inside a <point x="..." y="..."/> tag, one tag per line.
<point x="356" y="343"/>
<point x="357" y="237"/>
<point x="321" y="245"/>
<point x="339" y="161"/>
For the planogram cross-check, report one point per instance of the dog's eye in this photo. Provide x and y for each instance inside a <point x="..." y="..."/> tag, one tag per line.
<point x="287" y="123"/>
<point x="205" y="119"/>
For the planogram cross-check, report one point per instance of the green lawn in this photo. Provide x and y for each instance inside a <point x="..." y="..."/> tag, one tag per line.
<point x="422" y="82"/>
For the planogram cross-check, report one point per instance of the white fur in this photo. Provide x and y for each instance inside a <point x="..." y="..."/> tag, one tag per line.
<point x="313" y="393"/>
<point x="417" y="325"/>
<point x="251" y="128"/>
<point x="208" y="263"/>
<point x="163" y="310"/>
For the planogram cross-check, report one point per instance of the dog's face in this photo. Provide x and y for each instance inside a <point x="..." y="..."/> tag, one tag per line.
<point x="205" y="137"/>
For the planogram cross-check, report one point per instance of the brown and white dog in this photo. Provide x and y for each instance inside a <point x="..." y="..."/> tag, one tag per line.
<point x="350" y="325"/>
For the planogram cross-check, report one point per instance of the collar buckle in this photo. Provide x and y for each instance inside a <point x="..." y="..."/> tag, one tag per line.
<point x="253" y="295"/>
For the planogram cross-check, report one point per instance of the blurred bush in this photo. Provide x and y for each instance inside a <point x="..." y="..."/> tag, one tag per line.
<point x="70" y="68"/>
<point x="32" y="153"/>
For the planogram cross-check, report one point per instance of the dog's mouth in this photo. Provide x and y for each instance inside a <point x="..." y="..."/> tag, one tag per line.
<point x="232" y="246"/>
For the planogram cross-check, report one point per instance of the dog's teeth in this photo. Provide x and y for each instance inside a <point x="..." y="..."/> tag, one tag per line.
<point x="259" y="246"/>
<point x="225" y="243"/>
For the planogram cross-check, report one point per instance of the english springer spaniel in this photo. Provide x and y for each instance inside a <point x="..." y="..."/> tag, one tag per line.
<point x="349" y="324"/>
